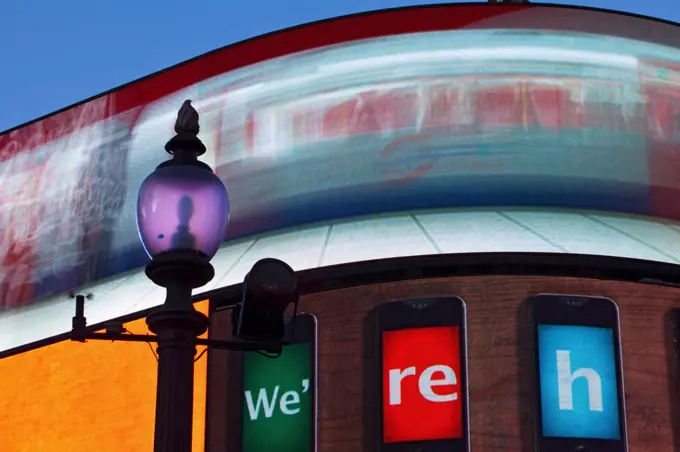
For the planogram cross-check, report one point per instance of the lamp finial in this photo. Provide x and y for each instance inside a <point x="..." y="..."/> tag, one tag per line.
<point x="187" y="120"/>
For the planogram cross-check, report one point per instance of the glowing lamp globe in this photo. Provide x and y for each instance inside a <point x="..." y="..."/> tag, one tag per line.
<point x="183" y="206"/>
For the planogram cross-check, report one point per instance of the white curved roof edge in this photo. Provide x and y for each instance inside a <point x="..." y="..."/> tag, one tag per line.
<point x="369" y="238"/>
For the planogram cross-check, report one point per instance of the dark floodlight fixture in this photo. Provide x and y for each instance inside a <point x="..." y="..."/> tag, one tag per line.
<point x="269" y="289"/>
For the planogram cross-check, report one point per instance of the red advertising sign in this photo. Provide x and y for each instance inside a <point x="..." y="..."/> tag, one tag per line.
<point x="421" y="384"/>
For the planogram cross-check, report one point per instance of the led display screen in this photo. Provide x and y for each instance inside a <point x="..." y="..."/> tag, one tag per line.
<point x="278" y="401"/>
<point x="422" y="108"/>
<point x="81" y="397"/>
<point x="579" y="396"/>
<point x="422" y="399"/>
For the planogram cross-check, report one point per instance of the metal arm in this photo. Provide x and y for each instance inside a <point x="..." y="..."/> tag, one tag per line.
<point x="114" y="332"/>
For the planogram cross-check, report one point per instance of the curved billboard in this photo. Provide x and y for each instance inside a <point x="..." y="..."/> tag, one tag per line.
<point x="435" y="107"/>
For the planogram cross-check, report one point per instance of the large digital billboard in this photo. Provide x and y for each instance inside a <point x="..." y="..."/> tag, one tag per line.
<point x="80" y="397"/>
<point x="445" y="106"/>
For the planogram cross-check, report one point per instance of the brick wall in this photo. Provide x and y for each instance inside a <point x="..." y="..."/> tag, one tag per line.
<point x="499" y="371"/>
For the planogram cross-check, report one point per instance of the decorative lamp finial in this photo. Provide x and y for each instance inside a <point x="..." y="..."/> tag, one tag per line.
<point x="187" y="129"/>
<point x="187" y="120"/>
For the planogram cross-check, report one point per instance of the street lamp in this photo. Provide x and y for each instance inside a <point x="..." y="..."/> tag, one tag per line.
<point x="182" y="215"/>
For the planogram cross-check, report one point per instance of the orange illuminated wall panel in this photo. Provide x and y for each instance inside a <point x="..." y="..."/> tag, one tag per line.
<point x="78" y="397"/>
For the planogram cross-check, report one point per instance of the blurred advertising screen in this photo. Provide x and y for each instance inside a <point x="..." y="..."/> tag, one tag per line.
<point x="477" y="106"/>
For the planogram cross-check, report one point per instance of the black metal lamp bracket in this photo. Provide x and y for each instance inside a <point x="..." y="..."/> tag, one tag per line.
<point x="114" y="331"/>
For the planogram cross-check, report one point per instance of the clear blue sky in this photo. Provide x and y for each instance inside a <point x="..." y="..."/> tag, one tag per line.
<point x="54" y="53"/>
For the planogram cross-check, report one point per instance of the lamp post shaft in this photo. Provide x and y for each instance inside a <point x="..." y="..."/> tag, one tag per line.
<point x="174" y="393"/>
<point x="177" y="327"/>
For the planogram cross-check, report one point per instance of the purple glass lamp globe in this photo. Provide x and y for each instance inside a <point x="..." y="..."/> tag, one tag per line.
<point x="183" y="205"/>
<point x="182" y="208"/>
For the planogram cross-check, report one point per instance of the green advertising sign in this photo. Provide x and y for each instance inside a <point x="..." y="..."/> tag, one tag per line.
<point x="278" y="401"/>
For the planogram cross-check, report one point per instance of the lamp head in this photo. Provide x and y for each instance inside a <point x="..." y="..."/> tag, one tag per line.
<point x="182" y="205"/>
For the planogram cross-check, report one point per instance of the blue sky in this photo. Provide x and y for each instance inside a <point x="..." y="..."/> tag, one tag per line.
<point x="55" y="53"/>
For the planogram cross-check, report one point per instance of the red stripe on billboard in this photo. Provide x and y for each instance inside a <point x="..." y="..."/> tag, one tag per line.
<point x="306" y="37"/>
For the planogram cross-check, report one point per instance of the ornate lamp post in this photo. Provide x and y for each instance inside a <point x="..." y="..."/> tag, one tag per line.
<point x="182" y="215"/>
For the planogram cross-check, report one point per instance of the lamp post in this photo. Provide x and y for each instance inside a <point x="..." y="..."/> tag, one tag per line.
<point x="182" y="214"/>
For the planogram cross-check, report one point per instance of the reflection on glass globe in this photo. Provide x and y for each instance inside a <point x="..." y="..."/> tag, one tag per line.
<point x="182" y="207"/>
